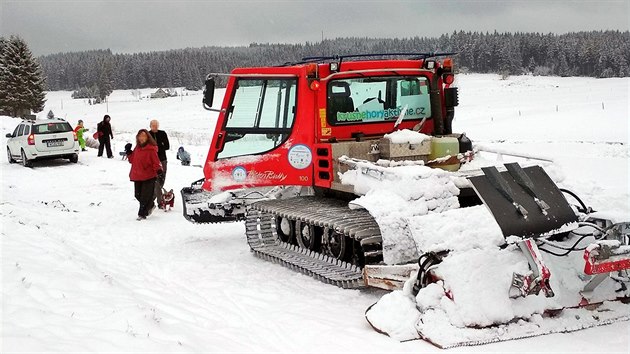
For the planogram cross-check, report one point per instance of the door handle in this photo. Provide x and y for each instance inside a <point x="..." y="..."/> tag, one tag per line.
<point x="220" y="140"/>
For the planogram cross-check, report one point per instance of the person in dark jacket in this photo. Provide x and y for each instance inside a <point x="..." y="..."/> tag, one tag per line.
<point x="104" y="134"/>
<point x="161" y="139"/>
<point x="145" y="169"/>
<point x="183" y="156"/>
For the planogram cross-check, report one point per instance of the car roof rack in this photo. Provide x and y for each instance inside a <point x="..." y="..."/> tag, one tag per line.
<point x="369" y="56"/>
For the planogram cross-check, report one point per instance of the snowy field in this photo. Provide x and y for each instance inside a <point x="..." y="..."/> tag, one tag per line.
<point x="80" y="274"/>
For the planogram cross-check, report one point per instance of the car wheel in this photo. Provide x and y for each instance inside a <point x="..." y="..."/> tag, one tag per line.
<point x="25" y="161"/>
<point x="74" y="158"/>
<point x="9" y="156"/>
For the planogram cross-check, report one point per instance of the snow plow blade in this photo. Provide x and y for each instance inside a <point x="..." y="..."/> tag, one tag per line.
<point x="198" y="209"/>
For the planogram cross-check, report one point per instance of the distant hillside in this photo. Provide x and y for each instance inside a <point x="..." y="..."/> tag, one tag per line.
<point x="595" y="54"/>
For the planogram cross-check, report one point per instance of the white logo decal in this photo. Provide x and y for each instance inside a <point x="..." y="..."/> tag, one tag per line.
<point x="300" y="156"/>
<point x="239" y="173"/>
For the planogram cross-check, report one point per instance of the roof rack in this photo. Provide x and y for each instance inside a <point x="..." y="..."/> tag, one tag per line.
<point x="371" y="56"/>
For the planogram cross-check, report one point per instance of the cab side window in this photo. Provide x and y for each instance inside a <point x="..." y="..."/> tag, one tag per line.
<point x="21" y="130"/>
<point x="15" y="132"/>
<point x="378" y="99"/>
<point x="27" y="129"/>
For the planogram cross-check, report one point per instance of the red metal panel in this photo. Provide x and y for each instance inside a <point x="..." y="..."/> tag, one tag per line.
<point x="598" y="266"/>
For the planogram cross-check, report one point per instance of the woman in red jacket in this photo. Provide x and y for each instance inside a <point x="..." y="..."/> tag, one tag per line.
<point x="145" y="168"/>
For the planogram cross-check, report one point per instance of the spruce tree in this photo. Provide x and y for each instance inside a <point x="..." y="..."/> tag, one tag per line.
<point x="22" y="83"/>
<point x="3" y="45"/>
<point x="563" y="66"/>
<point x="104" y="83"/>
<point x="532" y="65"/>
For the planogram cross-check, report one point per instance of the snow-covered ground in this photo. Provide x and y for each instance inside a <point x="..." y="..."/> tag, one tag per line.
<point x="80" y="274"/>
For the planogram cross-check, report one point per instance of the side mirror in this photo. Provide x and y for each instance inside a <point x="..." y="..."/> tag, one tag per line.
<point x="9" y="135"/>
<point x="208" y="92"/>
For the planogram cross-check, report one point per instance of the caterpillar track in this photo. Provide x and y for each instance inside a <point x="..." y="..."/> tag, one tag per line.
<point x="360" y="233"/>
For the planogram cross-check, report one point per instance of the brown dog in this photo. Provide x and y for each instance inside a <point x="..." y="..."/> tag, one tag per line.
<point x="168" y="200"/>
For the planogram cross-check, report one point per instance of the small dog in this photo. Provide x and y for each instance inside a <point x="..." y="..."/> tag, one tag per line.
<point x="168" y="200"/>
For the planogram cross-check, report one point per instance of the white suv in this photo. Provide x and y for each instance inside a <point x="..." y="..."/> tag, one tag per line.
<point x="42" y="139"/>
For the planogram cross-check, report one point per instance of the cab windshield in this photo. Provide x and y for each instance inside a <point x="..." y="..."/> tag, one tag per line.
<point x="378" y="99"/>
<point x="260" y="116"/>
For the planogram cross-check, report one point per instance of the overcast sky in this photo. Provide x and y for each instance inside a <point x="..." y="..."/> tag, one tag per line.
<point x="52" y="26"/>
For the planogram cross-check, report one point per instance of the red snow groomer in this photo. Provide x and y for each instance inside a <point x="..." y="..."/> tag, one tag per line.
<point x="346" y="168"/>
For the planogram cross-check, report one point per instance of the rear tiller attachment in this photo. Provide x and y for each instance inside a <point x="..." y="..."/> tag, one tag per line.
<point x="574" y="271"/>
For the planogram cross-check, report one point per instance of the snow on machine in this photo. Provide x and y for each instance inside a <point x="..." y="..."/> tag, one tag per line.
<point x="346" y="168"/>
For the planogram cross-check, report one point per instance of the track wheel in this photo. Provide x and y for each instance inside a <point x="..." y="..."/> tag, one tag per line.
<point x="335" y="244"/>
<point x="285" y="229"/>
<point x="308" y="235"/>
